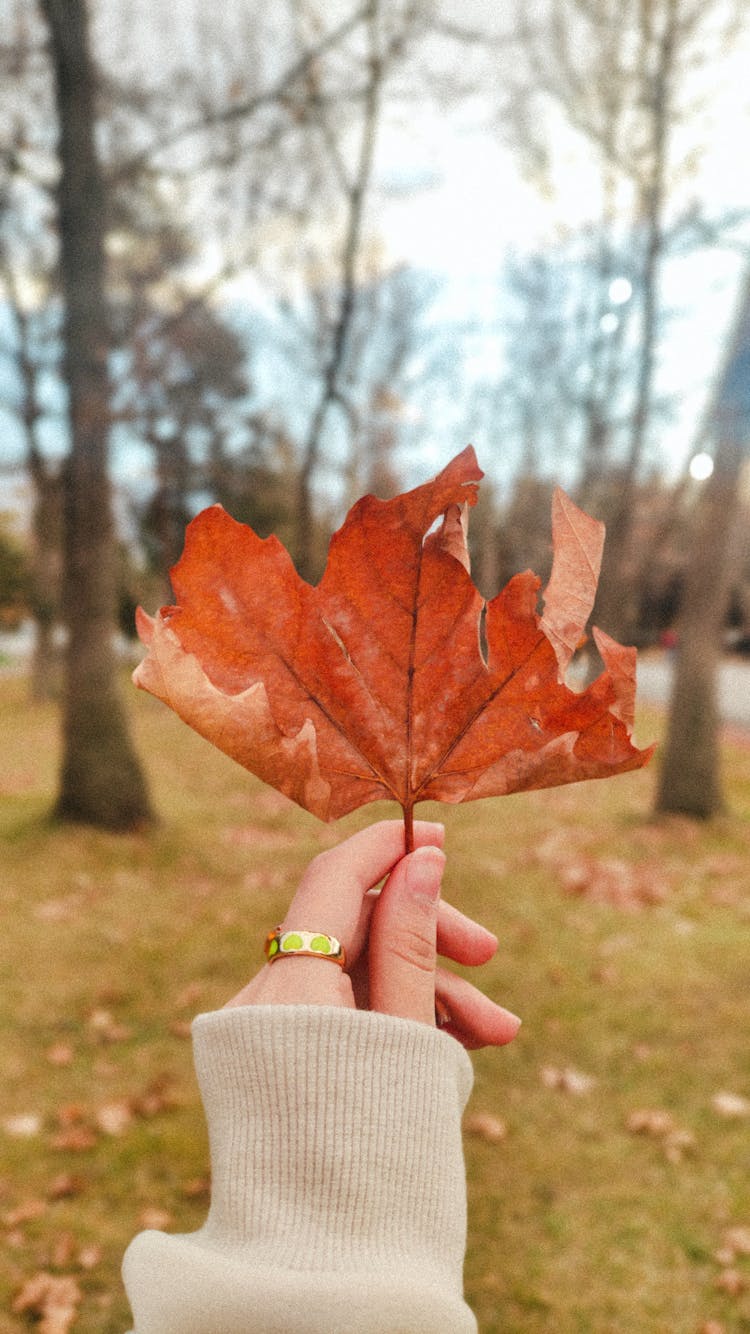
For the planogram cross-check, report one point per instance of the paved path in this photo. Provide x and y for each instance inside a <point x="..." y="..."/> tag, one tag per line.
<point x="16" y="648"/>
<point x="654" y="677"/>
<point x="655" y="684"/>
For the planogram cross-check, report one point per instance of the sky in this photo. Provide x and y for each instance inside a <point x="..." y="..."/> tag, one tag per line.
<point x="451" y="200"/>
<point x="475" y="207"/>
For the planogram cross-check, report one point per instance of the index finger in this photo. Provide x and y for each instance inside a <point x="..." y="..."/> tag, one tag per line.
<point x="333" y="887"/>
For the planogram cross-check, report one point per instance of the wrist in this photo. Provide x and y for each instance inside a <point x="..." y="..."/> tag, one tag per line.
<point x="297" y="981"/>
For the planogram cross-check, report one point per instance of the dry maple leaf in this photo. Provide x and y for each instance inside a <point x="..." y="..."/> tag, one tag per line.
<point x="374" y="685"/>
<point x="55" y="1299"/>
<point x="485" y="1126"/>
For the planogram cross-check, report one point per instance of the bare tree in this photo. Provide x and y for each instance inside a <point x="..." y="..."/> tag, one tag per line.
<point x="101" y="780"/>
<point x="28" y="277"/>
<point x="31" y="350"/>
<point x="663" y="31"/>
<point x="624" y="76"/>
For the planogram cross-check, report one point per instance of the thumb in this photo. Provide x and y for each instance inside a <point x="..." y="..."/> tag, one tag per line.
<point x="403" y="937"/>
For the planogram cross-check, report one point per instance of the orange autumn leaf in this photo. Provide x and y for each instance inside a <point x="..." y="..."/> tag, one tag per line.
<point x="374" y="684"/>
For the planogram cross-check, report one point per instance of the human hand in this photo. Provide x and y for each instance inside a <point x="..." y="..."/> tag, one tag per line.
<point x="392" y="939"/>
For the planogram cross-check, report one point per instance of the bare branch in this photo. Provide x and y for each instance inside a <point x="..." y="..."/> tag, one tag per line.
<point x="240" y="111"/>
<point x="330" y="390"/>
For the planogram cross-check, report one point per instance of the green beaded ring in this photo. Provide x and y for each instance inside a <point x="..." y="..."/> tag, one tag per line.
<point x="282" y="944"/>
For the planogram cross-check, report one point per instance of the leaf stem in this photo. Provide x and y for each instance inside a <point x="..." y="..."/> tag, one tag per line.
<point x="408" y="827"/>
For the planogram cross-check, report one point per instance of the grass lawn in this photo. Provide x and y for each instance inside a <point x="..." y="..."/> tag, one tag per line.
<point x="608" y="1149"/>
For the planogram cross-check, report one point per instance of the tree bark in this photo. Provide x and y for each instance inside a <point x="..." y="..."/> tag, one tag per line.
<point x="690" y="781"/>
<point x="45" y="577"/>
<point x="101" y="782"/>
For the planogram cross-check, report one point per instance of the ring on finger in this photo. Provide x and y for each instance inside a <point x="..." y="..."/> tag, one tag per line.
<point x="295" y="943"/>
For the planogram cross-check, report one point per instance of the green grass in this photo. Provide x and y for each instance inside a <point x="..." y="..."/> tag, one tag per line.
<point x="111" y="944"/>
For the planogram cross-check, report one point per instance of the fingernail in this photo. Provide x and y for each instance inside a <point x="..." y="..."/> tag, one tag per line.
<point x="424" y="871"/>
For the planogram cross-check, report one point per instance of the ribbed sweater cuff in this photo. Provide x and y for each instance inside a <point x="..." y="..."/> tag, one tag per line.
<point x="336" y="1159"/>
<point x="335" y="1136"/>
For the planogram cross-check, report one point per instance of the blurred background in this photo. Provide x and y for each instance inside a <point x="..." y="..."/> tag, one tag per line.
<point x="278" y="256"/>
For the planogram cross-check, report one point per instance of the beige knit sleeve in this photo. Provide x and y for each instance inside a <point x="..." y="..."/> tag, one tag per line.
<point x="338" y="1199"/>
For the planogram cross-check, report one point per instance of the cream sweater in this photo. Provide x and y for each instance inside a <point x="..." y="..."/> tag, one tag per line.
<point x="338" y="1193"/>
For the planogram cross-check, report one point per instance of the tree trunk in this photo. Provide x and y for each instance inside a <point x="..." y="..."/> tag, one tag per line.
<point x="101" y="781"/>
<point x="45" y="579"/>
<point x="690" y="776"/>
<point x="690" y="781"/>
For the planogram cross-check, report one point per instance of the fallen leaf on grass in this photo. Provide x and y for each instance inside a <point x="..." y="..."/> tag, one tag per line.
<point x="180" y="1028"/>
<point x="642" y="1051"/>
<point x="568" y="1080"/>
<point x="60" y="1054"/>
<point x="197" y="1188"/>
<point x="80" y="1127"/>
<point x="678" y="1144"/>
<point x="190" y="995"/>
<point x="74" y="1139"/>
<point x="739" y="1239"/>
<point x="735" y="1242"/>
<point x="114" y="1118"/>
<point x="373" y="685"/>
<point x="491" y="1282"/>
<point x="731" y="1105"/>
<point x="157" y="1097"/>
<point x="62" y="1250"/>
<point x="486" y="1126"/>
<point x="89" y="1256"/>
<point x="266" y="879"/>
<point x="70" y="1114"/>
<point x="55" y="1298"/>
<point x="65" y="1186"/>
<point x="651" y="1121"/>
<point x="728" y="896"/>
<point x="75" y="1133"/>
<point x="611" y="880"/>
<point x="66" y="1251"/>
<point x="605" y="974"/>
<point x="628" y="885"/>
<point x="725" y="865"/>
<point x="731" y="1281"/>
<point x="23" y="1125"/>
<point x="65" y="909"/>
<point x="18" y="781"/>
<point x="660" y="1124"/>
<point x="105" y="1028"/>
<point x="251" y="836"/>
<point x="153" y="1217"/>
<point x="24" y="1213"/>
<point x="712" y="1327"/>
